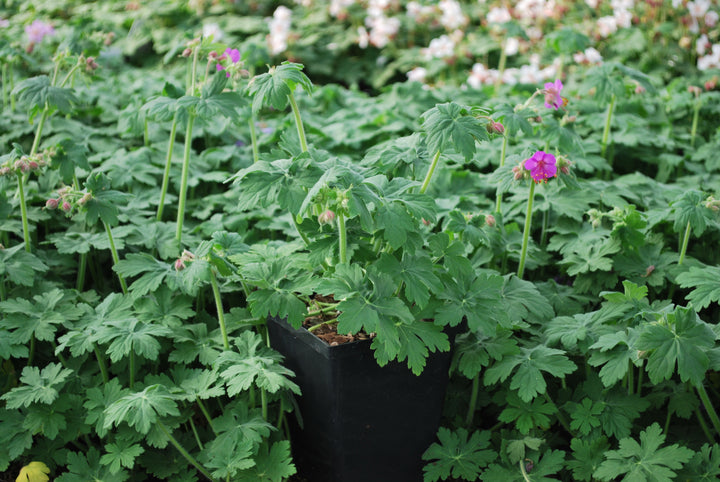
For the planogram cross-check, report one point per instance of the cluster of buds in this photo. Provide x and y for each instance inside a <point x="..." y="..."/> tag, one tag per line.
<point x="712" y="204"/>
<point x="519" y="172"/>
<point x="67" y="198"/>
<point x="24" y="164"/>
<point x="595" y="218"/>
<point x="326" y="217"/>
<point x="190" y="46"/>
<point x="186" y="256"/>
<point x="90" y="64"/>
<point x="495" y="128"/>
<point x="712" y="83"/>
<point x="563" y="164"/>
<point x="695" y="90"/>
<point x="490" y="220"/>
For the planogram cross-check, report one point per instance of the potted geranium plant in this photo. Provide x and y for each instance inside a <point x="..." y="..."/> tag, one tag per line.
<point x="373" y="275"/>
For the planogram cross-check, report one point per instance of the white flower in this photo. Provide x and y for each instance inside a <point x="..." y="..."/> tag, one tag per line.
<point x="417" y="74"/>
<point x="363" y="37"/>
<point x="711" y="19"/>
<point x="702" y="44"/>
<point x="607" y="26"/>
<point x="480" y="75"/>
<point x="622" y="4"/>
<point x="498" y="15"/>
<point x="592" y="3"/>
<point x="4" y="23"/>
<point x="452" y="14"/>
<point x="212" y="30"/>
<point x="698" y="8"/>
<point x="593" y="56"/>
<point x="512" y="45"/>
<point x="439" y="48"/>
<point x="623" y="18"/>
<point x="279" y="26"/>
<point x="338" y="7"/>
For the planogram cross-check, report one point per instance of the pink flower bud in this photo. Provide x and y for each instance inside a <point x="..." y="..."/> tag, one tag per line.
<point x="187" y="52"/>
<point x="326" y="217"/>
<point x="83" y="200"/>
<point x="490" y="220"/>
<point x="694" y="89"/>
<point x="179" y="265"/>
<point x="52" y="203"/>
<point x="495" y="128"/>
<point x="33" y="165"/>
<point x="639" y="89"/>
<point x="4" y="171"/>
<point x="66" y="206"/>
<point x="426" y="222"/>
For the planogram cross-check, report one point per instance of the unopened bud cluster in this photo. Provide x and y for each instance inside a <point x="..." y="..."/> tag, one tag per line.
<point x="519" y="172"/>
<point x="186" y="257"/>
<point x="563" y="164"/>
<point x="67" y="199"/>
<point x="595" y="218"/>
<point x="326" y="217"/>
<point x="495" y="128"/>
<point x="24" y="164"/>
<point x="712" y="203"/>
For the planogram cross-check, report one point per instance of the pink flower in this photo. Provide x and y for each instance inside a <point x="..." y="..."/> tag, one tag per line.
<point x="38" y="30"/>
<point x="542" y="166"/>
<point x="233" y="55"/>
<point x="553" y="99"/>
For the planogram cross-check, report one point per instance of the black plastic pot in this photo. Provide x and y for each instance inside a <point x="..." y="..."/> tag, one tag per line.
<point x="360" y="422"/>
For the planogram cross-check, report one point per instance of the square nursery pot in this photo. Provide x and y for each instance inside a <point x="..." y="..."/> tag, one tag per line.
<point x="360" y="422"/>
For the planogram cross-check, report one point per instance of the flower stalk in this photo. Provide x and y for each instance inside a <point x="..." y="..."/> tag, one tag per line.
<point x="342" y="237"/>
<point x="115" y="257"/>
<point x="168" y="163"/>
<point x="298" y="123"/>
<point x="430" y="172"/>
<point x="23" y="212"/>
<point x="683" y="248"/>
<point x="606" y="131"/>
<point x="526" y="231"/>
<point x="182" y="451"/>
<point x="219" y="306"/>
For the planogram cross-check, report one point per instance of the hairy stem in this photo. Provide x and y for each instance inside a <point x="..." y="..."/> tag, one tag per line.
<point x="498" y="195"/>
<point x="205" y="412"/>
<point x="522" y="470"/>
<point x="115" y="257"/>
<point x="683" y="248"/>
<point x="184" y="178"/>
<point x="264" y="403"/>
<point x="526" y="231"/>
<point x="709" y="408"/>
<point x="472" y="405"/>
<point x="606" y="131"/>
<point x="195" y="433"/>
<point x="168" y="163"/>
<point x="696" y="116"/>
<point x="298" y="123"/>
<point x="342" y="237"/>
<point x="253" y="139"/>
<point x="23" y="212"/>
<point x="219" y="306"/>
<point x="182" y="451"/>
<point x="82" y="267"/>
<point x="430" y="172"/>
<point x="101" y="363"/>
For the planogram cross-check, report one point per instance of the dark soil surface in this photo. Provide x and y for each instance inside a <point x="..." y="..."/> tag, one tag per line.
<point x="327" y="331"/>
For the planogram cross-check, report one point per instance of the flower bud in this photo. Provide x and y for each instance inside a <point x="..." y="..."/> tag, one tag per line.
<point x="33" y="165"/>
<point x="90" y="64"/>
<point x="179" y="264"/>
<point x="109" y="37"/>
<point x="66" y="206"/>
<point x="712" y="83"/>
<point x="213" y="55"/>
<point x="4" y="171"/>
<point x="52" y="203"/>
<point x="639" y="89"/>
<point x="495" y="128"/>
<point x="490" y="220"/>
<point x="187" y="52"/>
<point x="326" y="217"/>
<point x="426" y="222"/>
<point x="694" y="89"/>
<point x="83" y="200"/>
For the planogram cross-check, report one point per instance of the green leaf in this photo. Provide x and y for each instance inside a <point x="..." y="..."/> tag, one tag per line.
<point x="679" y="337"/>
<point x="644" y="461"/>
<point x="142" y="409"/>
<point x="705" y="283"/>
<point x="474" y="350"/>
<point x="527" y="416"/>
<point x="14" y="438"/>
<point x="274" y="87"/>
<point x="567" y="41"/>
<point x="100" y="398"/>
<point x="585" y="415"/>
<point x="690" y="209"/>
<point x="528" y="366"/>
<point x="515" y="121"/>
<point x="415" y="272"/>
<point x="20" y="267"/>
<point x="84" y="467"/>
<point x="38" y="386"/>
<point x="154" y="272"/>
<point x="70" y="155"/>
<point x="130" y="334"/>
<point x="253" y="364"/>
<point x="37" y="91"/>
<point x="273" y="465"/>
<point x="415" y="341"/>
<point x="477" y="298"/>
<point x="451" y="125"/>
<point x="457" y="456"/>
<point x="104" y="202"/>
<point x="122" y="453"/>
<point x="39" y="318"/>
<point x="587" y="456"/>
<point x="704" y="466"/>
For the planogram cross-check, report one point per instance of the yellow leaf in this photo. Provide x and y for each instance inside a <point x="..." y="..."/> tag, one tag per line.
<point x="34" y="472"/>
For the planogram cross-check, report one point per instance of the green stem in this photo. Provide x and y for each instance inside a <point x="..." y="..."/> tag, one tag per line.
<point x="205" y="412"/>
<point x="526" y="231"/>
<point x="115" y="257"/>
<point x="253" y="139"/>
<point x="638" y="391"/>
<point x="683" y="248"/>
<point x="630" y="378"/>
<point x="298" y="123"/>
<point x="707" y="403"/>
<point x="101" y="363"/>
<point x="501" y="62"/>
<point x="560" y="416"/>
<point x="304" y="237"/>
<point x="5" y="81"/>
<point x="315" y="327"/>
<point x="522" y="470"/>
<point x="23" y="212"/>
<point x="132" y="367"/>
<point x="668" y="417"/>
<point x="38" y="132"/>
<point x="342" y="236"/>
<point x="219" y="306"/>
<point x="184" y="179"/>
<point x="473" y="401"/>
<point x="264" y="403"/>
<point x="146" y="134"/>
<point x="31" y="355"/>
<point x="430" y="172"/>
<point x="606" y="132"/>
<point x="82" y="267"/>
<point x="195" y="433"/>
<point x="498" y="195"/>
<point x="168" y="163"/>
<point x="703" y="425"/>
<point x="696" y="116"/>
<point x="182" y="451"/>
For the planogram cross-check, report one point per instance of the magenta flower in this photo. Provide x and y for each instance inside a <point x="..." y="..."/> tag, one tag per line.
<point x="232" y="54"/>
<point x="38" y="30"/>
<point x="553" y="99"/>
<point x="542" y="166"/>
